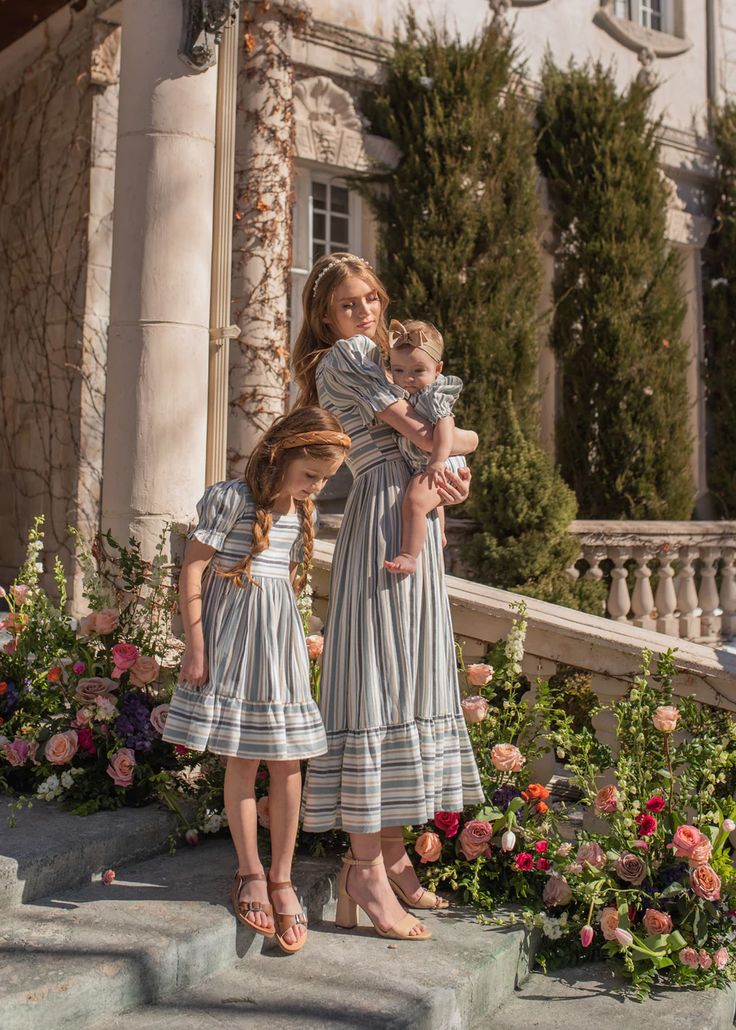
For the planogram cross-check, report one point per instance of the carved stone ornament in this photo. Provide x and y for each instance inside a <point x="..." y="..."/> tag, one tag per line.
<point x="328" y="128"/>
<point x="202" y="28"/>
<point x="637" y="37"/>
<point x="105" y="59"/>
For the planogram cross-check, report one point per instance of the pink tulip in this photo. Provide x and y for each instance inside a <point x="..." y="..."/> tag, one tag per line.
<point x="586" y="936"/>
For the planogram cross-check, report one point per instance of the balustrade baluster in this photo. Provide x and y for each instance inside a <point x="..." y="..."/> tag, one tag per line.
<point x="666" y="598"/>
<point x="687" y="596"/>
<point x="710" y="623"/>
<point x="642" y="600"/>
<point x="619" y="601"/>
<point x="728" y="594"/>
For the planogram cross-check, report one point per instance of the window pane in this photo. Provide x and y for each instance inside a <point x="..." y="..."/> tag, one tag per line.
<point x="319" y="226"/>
<point x="340" y="199"/>
<point x="318" y="250"/>
<point x="319" y="195"/>
<point x="651" y="14"/>
<point x="621" y="9"/>
<point x="339" y="230"/>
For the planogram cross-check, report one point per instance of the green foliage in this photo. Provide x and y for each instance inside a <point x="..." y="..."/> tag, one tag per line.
<point x="622" y="437"/>
<point x="720" y="320"/>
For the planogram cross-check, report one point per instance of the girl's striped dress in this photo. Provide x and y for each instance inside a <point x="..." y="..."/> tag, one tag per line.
<point x="257" y="702"/>
<point x="398" y="747"/>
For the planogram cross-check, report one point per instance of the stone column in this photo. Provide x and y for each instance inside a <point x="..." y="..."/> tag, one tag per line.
<point x="156" y="408"/>
<point x="264" y="157"/>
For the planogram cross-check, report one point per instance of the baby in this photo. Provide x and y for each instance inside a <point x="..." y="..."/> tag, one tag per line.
<point x="416" y="364"/>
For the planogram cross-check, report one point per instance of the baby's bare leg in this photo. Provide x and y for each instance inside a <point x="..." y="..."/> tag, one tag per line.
<point x="441" y="517"/>
<point x="419" y="500"/>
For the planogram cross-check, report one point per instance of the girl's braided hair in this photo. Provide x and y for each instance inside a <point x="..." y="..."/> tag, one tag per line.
<point x="304" y="433"/>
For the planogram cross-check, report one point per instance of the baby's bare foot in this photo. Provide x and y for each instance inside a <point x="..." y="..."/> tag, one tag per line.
<point x="402" y="563"/>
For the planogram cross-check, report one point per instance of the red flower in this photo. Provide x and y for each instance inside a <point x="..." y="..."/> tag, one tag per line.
<point x="543" y="864"/>
<point x="656" y="804"/>
<point x="180" y="749"/>
<point x="524" y="862"/>
<point x="85" y="741"/>
<point x="647" y="824"/>
<point x="3" y="688"/>
<point x="448" y="822"/>
<point x="541" y="846"/>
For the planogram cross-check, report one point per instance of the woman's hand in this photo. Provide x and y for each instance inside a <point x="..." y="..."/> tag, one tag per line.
<point x="194" y="668"/>
<point x="456" y="487"/>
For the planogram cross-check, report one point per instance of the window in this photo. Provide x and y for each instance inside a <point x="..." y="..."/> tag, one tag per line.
<point x="650" y="14"/>
<point x="330" y="218"/>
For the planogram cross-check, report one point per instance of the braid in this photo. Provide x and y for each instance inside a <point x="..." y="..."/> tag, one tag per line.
<point x="306" y="511"/>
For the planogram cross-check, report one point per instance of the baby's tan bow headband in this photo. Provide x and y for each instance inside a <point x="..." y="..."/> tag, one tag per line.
<point x="400" y="336"/>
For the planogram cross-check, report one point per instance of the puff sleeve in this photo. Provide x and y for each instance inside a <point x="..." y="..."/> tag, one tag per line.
<point x="350" y="377"/>
<point x="437" y="400"/>
<point x="219" y="508"/>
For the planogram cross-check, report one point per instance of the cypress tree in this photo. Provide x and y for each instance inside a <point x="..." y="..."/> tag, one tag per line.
<point x="622" y="436"/>
<point x="720" y="322"/>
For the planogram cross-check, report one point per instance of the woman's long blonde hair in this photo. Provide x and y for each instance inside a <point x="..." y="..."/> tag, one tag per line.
<point x="315" y="336"/>
<point x="305" y="433"/>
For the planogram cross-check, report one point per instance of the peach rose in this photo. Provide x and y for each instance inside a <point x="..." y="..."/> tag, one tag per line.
<point x="630" y="868"/>
<point x="102" y="623"/>
<point x="606" y="800"/>
<point x="591" y="853"/>
<point x="706" y="883"/>
<point x="686" y="839"/>
<point x="17" y="752"/>
<point x="665" y="718"/>
<point x="121" y="767"/>
<point x="507" y="757"/>
<point x="720" y="957"/>
<point x="556" y="891"/>
<point x="145" y="670"/>
<point x="609" y="923"/>
<point x="158" y="717"/>
<point x="92" y="687"/>
<point x="264" y="813"/>
<point x="701" y="852"/>
<point x="429" y="847"/>
<point x="689" y="958"/>
<point x="479" y="674"/>
<point x="475" y="709"/>
<point x="315" y="645"/>
<point x="474" y="838"/>
<point x="657" y="922"/>
<point x="704" y="959"/>
<point x="61" y="748"/>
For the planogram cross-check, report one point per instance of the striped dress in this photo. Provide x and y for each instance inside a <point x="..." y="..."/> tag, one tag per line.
<point x="434" y="402"/>
<point x="398" y="749"/>
<point x="257" y="701"/>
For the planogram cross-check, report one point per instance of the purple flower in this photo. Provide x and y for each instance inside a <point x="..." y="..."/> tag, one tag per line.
<point x="133" y="723"/>
<point x="504" y="796"/>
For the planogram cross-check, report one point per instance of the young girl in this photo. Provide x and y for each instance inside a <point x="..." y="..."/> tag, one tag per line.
<point x="398" y="748"/>
<point x="416" y="364"/>
<point x="244" y="682"/>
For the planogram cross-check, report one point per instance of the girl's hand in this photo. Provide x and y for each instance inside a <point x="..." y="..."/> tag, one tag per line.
<point x="194" y="668"/>
<point x="456" y="487"/>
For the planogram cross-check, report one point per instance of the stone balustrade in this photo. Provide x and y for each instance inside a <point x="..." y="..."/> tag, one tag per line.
<point x="677" y="578"/>
<point x="610" y="651"/>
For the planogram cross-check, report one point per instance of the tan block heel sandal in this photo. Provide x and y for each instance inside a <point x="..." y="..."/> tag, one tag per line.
<point x="348" y="914"/>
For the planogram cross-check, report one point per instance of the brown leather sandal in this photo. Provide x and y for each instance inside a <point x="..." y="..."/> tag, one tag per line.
<point x="285" y="920"/>
<point x="242" y="908"/>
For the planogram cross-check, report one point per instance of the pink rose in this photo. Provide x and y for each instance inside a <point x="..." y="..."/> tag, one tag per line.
<point x="523" y="862"/>
<point x="642" y="845"/>
<point x="586" y="936"/>
<point x="61" y="748"/>
<point x="541" y="847"/>
<point x="591" y="853"/>
<point x="448" y="822"/>
<point x="656" y="803"/>
<point x="701" y="852"/>
<point x="646" y="824"/>
<point x="606" y="800"/>
<point x="20" y="592"/>
<point x="630" y="868"/>
<point x="720" y="958"/>
<point x="507" y="758"/>
<point x="93" y="687"/>
<point x="124" y="656"/>
<point x="121" y="767"/>
<point x="264" y="814"/>
<point x="474" y="838"/>
<point x="17" y="752"/>
<point x="82" y="718"/>
<point x="78" y="668"/>
<point x="543" y="864"/>
<point x="102" y="623"/>
<point x="556" y="891"/>
<point x="108" y="877"/>
<point x="475" y="709"/>
<point x="315" y="645"/>
<point x="689" y="958"/>
<point x="479" y="674"/>
<point x="657" y="922"/>
<point x="158" y="717"/>
<point x="429" y="847"/>
<point x="686" y="839"/>
<point x="145" y="670"/>
<point x="706" y="883"/>
<point x="609" y="923"/>
<point x="665" y="718"/>
<point x="704" y="959"/>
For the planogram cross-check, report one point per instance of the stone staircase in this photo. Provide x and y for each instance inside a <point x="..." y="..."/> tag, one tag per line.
<point x="159" y="948"/>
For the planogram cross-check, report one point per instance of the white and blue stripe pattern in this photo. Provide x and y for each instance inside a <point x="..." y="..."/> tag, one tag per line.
<point x="257" y="702"/>
<point x="434" y="402"/>
<point x="398" y="746"/>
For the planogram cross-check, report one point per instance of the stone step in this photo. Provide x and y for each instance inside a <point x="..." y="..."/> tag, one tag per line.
<point x="162" y="941"/>
<point x="589" y="996"/>
<point x="50" y="851"/>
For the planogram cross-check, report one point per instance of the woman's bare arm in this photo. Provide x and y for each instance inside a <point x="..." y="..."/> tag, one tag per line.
<point x="194" y="663"/>
<point x="403" y="419"/>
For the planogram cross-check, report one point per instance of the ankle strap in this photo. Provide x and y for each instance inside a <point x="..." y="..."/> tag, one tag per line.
<point x="279" y="886"/>
<point x="364" y="863"/>
<point x="249" y="878"/>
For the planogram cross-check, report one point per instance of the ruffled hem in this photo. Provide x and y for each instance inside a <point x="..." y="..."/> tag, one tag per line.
<point x="391" y="776"/>
<point x="266" y="730"/>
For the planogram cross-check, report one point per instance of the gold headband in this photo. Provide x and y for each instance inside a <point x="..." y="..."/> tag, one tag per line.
<point x="318" y="436"/>
<point x="400" y="336"/>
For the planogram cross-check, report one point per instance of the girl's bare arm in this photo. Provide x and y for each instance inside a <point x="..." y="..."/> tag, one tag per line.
<point x="194" y="663"/>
